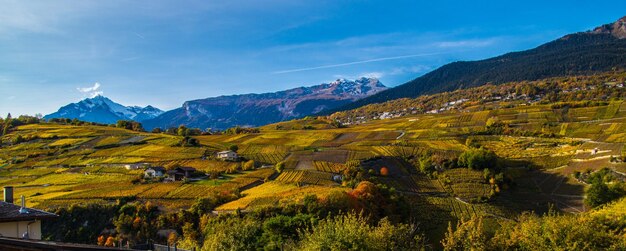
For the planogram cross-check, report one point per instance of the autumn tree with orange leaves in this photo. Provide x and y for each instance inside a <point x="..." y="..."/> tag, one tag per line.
<point x="384" y="171"/>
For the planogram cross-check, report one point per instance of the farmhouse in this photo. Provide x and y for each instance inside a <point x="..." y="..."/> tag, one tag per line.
<point x="180" y="173"/>
<point x="20" y="221"/>
<point x="156" y="171"/>
<point x="227" y="155"/>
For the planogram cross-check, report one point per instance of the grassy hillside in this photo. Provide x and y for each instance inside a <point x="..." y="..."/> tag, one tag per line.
<point x="539" y="139"/>
<point x="543" y="152"/>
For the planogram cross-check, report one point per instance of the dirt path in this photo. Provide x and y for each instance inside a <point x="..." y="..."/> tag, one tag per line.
<point x="304" y="165"/>
<point x="401" y="135"/>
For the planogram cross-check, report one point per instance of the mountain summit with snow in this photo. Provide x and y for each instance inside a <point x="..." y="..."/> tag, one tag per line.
<point x="260" y="109"/>
<point x="101" y="109"/>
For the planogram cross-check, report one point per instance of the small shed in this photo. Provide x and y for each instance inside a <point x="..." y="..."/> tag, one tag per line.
<point x="227" y="155"/>
<point x="156" y="171"/>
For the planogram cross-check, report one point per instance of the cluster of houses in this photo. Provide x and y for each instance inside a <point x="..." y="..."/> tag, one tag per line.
<point x="385" y="115"/>
<point x="448" y="106"/>
<point x="176" y="174"/>
<point x="179" y="173"/>
<point x="512" y="96"/>
<point x="452" y="105"/>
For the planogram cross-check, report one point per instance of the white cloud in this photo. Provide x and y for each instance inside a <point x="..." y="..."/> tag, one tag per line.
<point x="375" y="74"/>
<point x="466" y="43"/>
<point x="355" y="62"/>
<point x="410" y="69"/>
<point x="91" y="91"/>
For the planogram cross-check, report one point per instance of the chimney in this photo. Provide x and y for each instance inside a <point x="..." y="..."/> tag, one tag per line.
<point x="8" y="194"/>
<point x="23" y="209"/>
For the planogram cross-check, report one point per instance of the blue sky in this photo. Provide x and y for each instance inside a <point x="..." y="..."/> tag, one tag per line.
<point x="163" y="53"/>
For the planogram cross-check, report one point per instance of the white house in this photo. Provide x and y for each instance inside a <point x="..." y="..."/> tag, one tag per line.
<point x="227" y="155"/>
<point x="156" y="171"/>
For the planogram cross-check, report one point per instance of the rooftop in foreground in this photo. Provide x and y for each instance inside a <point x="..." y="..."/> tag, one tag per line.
<point x="11" y="212"/>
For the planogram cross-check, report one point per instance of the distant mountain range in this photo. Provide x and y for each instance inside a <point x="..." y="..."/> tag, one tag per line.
<point x="102" y="110"/>
<point x="260" y="109"/>
<point x="228" y="111"/>
<point x="602" y="49"/>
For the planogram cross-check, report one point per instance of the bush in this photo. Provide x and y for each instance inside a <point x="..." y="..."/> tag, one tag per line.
<point x="234" y="148"/>
<point x="478" y="159"/>
<point x="600" y="193"/>
<point x="532" y="232"/>
<point x="232" y="234"/>
<point x="426" y="165"/>
<point x="351" y="232"/>
<point x="280" y="167"/>
<point x="248" y="165"/>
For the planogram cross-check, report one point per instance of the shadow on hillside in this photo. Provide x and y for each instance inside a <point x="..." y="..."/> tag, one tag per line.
<point x="538" y="191"/>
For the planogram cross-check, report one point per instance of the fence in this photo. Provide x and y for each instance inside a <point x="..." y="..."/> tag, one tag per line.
<point x="158" y="247"/>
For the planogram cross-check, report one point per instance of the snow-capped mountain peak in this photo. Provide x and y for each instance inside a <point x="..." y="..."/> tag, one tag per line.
<point x="259" y="109"/>
<point x="101" y="109"/>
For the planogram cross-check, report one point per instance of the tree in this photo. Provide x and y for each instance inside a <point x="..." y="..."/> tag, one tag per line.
<point x="189" y="141"/>
<point x="468" y="235"/>
<point x="101" y="240"/>
<point x="426" y="165"/>
<point x="600" y="193"/>
<point x="478" y="159"/>
<point x="492" y="121"/>
<point x="110" y="242"/>
<point x="182" y="131"/>
<point x="384" y="171"/>
<point x="18" y="139"/>
<point x="233" y="233"/>
<point x="557" y="232"/>
<point x="352" y="232"/>
<point x="280" y="166"/>
<point x="190" y="237"/>
<point x="157" y="130"/>
<point x="7" y="124"/>
<point x="471" y="142"/>
<point x="129" y="125"/>
<point x="172" y="238"/>
<point x="234" y="148"/>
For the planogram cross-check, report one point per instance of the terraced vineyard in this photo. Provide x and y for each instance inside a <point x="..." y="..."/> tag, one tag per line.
<point x="426" y="185"/>
<point x="265" y="195"/>
<point x="307" y="177"/>
<point x="267" y="158"/>
<point x="466" y="183"/>
<point x="544" y="145"/>
<point x="329" y="167"/>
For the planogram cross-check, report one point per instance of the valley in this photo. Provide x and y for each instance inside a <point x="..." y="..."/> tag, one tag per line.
<point x="502" y="127"/>
<point x="540" y="150"/>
